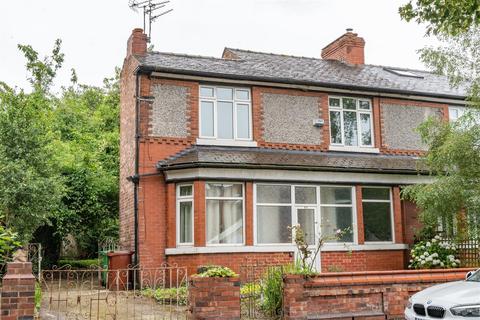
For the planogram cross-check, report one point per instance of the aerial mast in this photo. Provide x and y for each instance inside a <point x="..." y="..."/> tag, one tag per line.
<point x="152" y="10"/>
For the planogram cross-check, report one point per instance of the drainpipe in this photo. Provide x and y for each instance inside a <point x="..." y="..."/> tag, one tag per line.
<point x="135" y="178"/>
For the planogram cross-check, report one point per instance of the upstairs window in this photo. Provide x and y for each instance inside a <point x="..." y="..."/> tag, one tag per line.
<point x="351" y="123"/>
<point x="225" y="113"/>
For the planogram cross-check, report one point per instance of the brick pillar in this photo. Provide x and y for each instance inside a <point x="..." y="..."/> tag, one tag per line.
<point x="18" y="292"/>
<point x="214" y="298"/>
<point x="295" y="302"/>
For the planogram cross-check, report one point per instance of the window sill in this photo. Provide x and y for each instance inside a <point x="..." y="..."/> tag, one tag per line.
<point x="354" y="149"/>
<point x="282" y="248"/>
<point x="233" y="143"/>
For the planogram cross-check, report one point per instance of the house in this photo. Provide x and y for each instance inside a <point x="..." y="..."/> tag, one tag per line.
<point x="219" y="156"/>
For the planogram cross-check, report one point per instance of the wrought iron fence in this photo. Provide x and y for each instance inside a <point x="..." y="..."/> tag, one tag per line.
<point x="35" y="256"/>
<point x="261" y="291"/>
<point x="133" y="293"/>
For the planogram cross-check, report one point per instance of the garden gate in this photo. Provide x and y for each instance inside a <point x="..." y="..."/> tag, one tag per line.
<point x="134" y="293"/>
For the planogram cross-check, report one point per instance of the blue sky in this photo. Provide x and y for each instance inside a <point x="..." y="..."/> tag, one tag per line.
<point x="94" y="33"/>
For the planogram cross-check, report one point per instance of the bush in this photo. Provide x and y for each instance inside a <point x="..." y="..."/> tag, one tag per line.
<point x="250" y="289"/>
<point x="8" y="244"/>
<point x="436" y="253"/>
<point x="168" y="295"/>
<point x="272" y="285"/>
<point x="218" y="271"/>
<point x="79" y="264"/>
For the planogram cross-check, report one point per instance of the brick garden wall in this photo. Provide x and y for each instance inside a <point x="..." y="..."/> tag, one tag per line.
<point x="214" y="298"/>
<point x="337" y="293"/>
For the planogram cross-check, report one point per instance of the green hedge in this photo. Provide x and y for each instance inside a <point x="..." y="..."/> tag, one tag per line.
<point x="79" y="264"/>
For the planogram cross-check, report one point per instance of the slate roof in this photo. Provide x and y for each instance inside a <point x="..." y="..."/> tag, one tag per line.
<point x="243" y="157"/>
<point x="269" y="67"/>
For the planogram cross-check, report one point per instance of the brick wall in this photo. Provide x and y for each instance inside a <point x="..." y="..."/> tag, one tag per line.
<point x="371" y="260"/>
<point x="232" y="260"/>
<point x="340" y="293"/>
<point x="214" y="298"/>
<point x="18" y="292"/>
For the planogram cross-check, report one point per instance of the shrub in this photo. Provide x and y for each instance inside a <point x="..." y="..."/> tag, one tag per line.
<point x="38" y="296"/>
<point x="250" y="289"/>
<point x="79" y="264"/>
<point x="168" y="295"/>
<point x="436" y="253"/>
<point x="218" y="271"/>
<point x="272" y="284"/>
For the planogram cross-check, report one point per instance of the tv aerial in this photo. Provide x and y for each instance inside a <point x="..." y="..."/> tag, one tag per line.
<point x="152" y="10"/>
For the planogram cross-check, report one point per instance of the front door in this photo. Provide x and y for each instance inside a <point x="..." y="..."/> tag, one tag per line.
<point x="307" y="219"/>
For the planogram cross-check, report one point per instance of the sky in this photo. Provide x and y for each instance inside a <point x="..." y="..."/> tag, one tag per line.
<point x="95" y="32"/>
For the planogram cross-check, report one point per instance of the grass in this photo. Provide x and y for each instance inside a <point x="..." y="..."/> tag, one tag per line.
<point x="168" y="295"/>
<point x="38" y="296"/>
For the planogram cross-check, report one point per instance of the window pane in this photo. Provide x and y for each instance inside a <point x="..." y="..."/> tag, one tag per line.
<point x="225" y="93"/>
<point x="243" y="121"/>
<point x="306" y="220"/>
<point x="225" y="120"/>
<point x="224" y="221"/>
<point x="350" y="128"/>
<point x="230" y="190"/>
<point x="335" y="127"/>
<point x="376" y="193"/>
<point x="185" y="191"/>
<point x="206" y="92"/>
<point x="273" y="194"/>
<point x="334" y="102"/>
<point x="366" y="127"/>
<point x="336" y="195"/>
<point x="273" y="224"/>
<point x="305" y="195"/>
<point x="364" y="104"/>
<point x="207" y="118"/>
<point x="349" y="103"/>
<point x="337" y="218"/>
<point x="242" y="94"/>
<point x="377" y="221"/>
<point x="186" y="222"/>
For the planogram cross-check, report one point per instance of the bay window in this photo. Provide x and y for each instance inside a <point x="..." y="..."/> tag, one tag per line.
<point x="224" y="213"/>
<point x="337" y="212"/>
<point x="225" y="113"/>
<point x="274" y="213"/>
<point x="351" y="122"/>
<point x="377" y="214"/>
<point x="185" y="214"/>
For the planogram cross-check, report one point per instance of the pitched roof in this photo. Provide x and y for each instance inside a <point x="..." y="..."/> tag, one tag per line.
<point x="238" y="157"/>
<point x="278" y="68"/>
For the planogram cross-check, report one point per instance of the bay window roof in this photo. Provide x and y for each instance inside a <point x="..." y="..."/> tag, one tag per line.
<point x="262" y="158"/>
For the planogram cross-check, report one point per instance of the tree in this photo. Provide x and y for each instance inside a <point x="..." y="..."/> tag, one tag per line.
<point x="453" y="155"/>
<point x="450" y="17"/>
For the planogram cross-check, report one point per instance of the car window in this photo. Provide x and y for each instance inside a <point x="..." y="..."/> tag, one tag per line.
<point x="475" y="277"/>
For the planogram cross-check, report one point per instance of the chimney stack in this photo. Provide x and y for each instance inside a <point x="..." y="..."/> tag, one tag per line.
<point x="137" y="43"/>
<point x="349" y="48"/>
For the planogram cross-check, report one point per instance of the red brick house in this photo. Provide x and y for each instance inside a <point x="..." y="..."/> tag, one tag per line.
<point x="220" y="155"/>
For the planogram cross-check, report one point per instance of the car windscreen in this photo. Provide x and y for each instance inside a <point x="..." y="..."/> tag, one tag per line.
<point x="475" y="276"/>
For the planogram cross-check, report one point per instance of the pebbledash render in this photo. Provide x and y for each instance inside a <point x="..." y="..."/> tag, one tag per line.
<point x="219" y="156"/>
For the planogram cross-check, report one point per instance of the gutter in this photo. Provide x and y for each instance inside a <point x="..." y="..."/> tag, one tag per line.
<point x="193" y="165"/>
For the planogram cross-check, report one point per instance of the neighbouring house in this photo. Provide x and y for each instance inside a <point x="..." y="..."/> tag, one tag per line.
<point x="219" y="156"/>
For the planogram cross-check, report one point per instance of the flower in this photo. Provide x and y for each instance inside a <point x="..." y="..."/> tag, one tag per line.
<point x="428" y="244"/>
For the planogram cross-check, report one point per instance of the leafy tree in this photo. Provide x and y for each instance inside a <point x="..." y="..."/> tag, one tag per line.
<point x="87" y="123"/>
<point x="453" y="148"/>
<point x="451" y="17"/>
<point x="30" y="184"/>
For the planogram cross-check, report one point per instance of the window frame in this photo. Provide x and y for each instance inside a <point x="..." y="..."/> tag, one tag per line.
<point x="392" y="214"/>
<point x="180" y="199"/>
<point x="358" y="113"/>
<point x="294" y="206"/>
<point x="225" y="198"/>
<point x="235" y="102"/>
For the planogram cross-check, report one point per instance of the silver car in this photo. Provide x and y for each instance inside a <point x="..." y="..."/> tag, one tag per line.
<point x="452" y="300"/>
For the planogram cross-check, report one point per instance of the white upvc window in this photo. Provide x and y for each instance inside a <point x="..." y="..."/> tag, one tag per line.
<point x="377" y="214"/>
<point x="224" y="213"/>
<point x="351" y="122"/>
<point x="185" y="214"/>
<point x="225" y="113"/>
<point x="455" y="112"/>
<point x="318" y="209"/>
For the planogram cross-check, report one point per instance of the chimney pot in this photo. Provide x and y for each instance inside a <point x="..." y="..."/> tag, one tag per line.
<point x="348" y="48"/>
